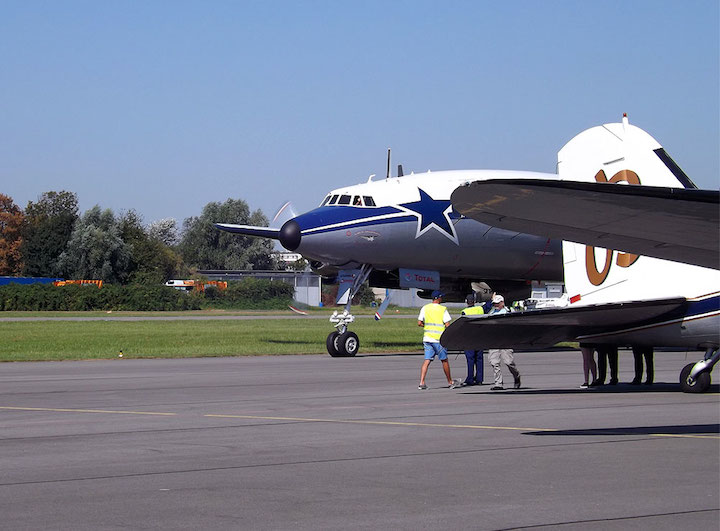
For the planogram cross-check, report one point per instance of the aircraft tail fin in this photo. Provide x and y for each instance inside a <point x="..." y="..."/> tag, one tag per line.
<point x="619" y="153"/>
<point x="624" y="154"/>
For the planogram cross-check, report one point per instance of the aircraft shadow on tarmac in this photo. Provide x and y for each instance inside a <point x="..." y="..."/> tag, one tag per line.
<point x="690" y="429"/>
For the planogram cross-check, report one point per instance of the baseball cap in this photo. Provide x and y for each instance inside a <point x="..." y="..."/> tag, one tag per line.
<point x="497" y="299"/>
<point x="437" y="294"/>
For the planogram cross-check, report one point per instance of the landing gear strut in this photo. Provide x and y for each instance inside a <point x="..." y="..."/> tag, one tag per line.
<point x="695" y="377"/>
<point x="342" y="342"/>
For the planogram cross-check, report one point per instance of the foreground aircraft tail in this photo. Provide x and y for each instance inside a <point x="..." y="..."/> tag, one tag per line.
<point x="623" y="154"/>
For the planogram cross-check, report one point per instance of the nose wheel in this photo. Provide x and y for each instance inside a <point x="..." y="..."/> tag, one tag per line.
<point x="342" y="345"/>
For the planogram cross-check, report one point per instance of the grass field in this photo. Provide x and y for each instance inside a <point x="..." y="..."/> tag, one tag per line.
<point x="75" y="340"/>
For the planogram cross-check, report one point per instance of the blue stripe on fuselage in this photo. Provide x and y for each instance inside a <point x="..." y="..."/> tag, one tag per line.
<point x="711" y="304"/>
<point x="316" y="220"/>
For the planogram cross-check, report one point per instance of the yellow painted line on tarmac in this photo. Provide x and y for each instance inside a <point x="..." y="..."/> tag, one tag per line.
<point x="381" y="423"/>
<point x="59" y="410"/>
<point x="685" y="436"/>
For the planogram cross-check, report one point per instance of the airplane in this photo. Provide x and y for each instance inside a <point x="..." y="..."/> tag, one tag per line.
<point x="402" y="232"/>
<point x="658" y="287"/>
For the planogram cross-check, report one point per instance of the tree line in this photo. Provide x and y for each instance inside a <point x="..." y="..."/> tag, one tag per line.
<point x="50" y="238"/>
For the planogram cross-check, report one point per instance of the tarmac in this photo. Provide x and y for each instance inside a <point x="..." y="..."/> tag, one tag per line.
<point x="313" y="442"/>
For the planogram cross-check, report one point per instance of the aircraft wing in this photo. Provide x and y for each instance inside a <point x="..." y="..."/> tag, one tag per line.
<point x="250" y="230"/>
<point x="670" y="223"/>
<point x="545" y="328"/>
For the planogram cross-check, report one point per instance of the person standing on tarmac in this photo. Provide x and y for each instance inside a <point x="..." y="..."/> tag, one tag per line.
<point x="496" y="355"/>
<point x="638" y="354"/>
<point x="474" y="357"/>
<point x="434" y="318"/>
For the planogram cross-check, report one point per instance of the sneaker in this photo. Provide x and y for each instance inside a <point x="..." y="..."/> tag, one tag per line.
<point x="422" y="387"/>
<point x="496" y="388"/>
<point x="596" y="383"/>
<point x="517" y="383"/>
<point x="584" y="386"/>
<point x="455" y="384"/>
<point x="468" y="382"/>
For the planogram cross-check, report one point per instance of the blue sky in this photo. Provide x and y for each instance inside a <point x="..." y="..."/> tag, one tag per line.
<point x="164" y="106"/>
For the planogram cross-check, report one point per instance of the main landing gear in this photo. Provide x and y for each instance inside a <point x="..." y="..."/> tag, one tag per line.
<point x="695" y="377"/>
<point x="342" y="342"/>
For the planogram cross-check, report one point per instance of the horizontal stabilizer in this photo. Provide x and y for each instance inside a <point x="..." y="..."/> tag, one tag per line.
<point x="545" y="328"/>
<point x="250" y="230"/>
<point x="669" y="223"/>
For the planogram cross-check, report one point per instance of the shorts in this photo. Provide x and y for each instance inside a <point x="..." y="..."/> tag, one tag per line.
<point x="433" y="349"/>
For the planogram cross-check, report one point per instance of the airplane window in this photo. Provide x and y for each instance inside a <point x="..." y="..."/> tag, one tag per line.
<point x="344" y="200"/>
<point x="357" y="201"/>
<point x="368" y="201"/>
<point x="333" y="200"/>
<point x="327" y="198"/>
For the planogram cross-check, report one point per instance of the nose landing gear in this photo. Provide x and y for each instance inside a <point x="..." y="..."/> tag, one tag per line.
<point x="342" y="343"/>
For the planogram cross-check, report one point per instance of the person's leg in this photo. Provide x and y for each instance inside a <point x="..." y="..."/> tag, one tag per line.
<point x="446" y="369"/>
<point x="494" y="356"/>
<point x="479" y="367"/>
<point x="638" y="363"/>
<point x="442" y="356"/>
<point x="423" y="371"/>
<point x="429" y="355"/>
<point x="509" y="360"/>
<point x="593" y="367"/>
<point x="586" y="354"/>
<point x="470" y="358"/>
<point x="613" y="362"/>
<point x="649" y="365"/>
<point x="602" y="365"/>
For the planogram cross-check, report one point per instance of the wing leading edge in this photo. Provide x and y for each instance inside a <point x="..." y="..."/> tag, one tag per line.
<point x="545" y="328"/>
<point x="250" y="230"/>
<point x="669" y="223"/>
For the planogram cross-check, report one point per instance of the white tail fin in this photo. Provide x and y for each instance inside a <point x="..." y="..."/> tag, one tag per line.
<point x="625" y="154"/>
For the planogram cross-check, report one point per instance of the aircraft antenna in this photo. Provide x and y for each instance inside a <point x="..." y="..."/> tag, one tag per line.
<point x="400" y="170"/>
<point x="387" y="173"/>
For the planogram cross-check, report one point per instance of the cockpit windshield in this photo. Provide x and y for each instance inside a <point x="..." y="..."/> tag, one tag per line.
<point x="344" y="199"/>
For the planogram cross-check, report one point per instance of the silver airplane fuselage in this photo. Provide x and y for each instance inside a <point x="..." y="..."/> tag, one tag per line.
<point x="409" y="222"/>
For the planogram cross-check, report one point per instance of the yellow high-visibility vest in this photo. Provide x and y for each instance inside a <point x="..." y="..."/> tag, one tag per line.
<point x="434" y="324"/>
<point x="473" y="310"/>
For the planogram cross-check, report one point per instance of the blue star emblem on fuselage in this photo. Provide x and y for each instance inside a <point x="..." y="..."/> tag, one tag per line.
<point x="433" y="213"/>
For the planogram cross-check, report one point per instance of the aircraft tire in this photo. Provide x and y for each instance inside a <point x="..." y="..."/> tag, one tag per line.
<point x="331" y="344"/>
<point x="701" y="384"/>
<point x="348" y="344"/>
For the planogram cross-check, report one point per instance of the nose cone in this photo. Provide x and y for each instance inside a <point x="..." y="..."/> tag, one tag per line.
<point x="290" y="235"/>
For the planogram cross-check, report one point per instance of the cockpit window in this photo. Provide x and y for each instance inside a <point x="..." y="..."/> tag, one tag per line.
<point x="327" y="198"/>
<point x="368" y="201"/>
<point x="333" y="200"/>
<point x="344" y="200"/>
<point x="357" y="201"/>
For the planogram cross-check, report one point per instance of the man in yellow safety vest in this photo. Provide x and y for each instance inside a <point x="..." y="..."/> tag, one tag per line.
<point x="434" y="318"/>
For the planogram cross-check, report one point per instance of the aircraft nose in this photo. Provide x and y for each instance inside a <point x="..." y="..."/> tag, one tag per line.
<point x="290" y="235"/>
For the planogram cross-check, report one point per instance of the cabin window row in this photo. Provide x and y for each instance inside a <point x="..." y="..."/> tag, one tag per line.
<point x="357" y="200"/>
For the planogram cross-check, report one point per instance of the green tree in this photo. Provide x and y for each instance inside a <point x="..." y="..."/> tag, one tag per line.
<point x="206" y="247"/>
<point x="11" y="225"/>
<point x="164" y="230"/>
<point x="49" y="224"/>
<point x="151" y="260"/>
<point x="95" y="249"/>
